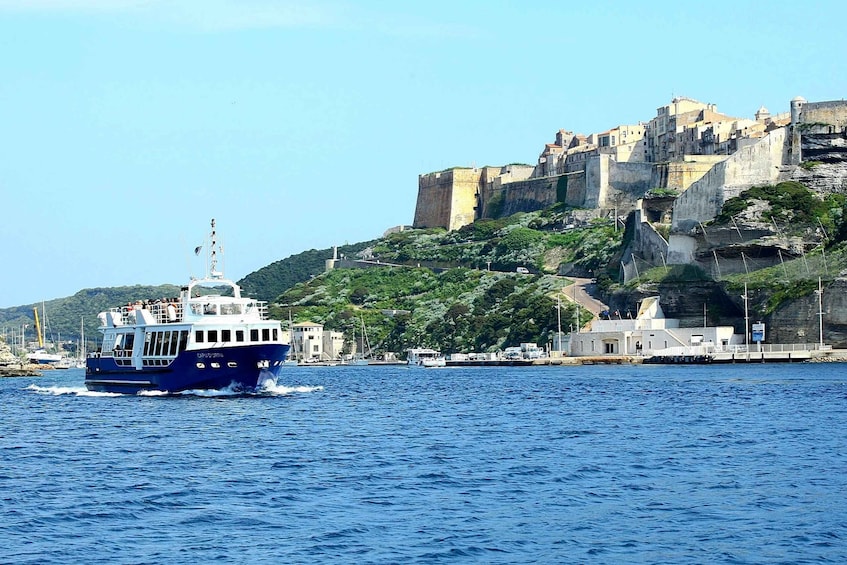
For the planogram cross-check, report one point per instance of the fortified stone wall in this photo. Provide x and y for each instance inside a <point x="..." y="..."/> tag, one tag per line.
<point x="819" y="133"/>
<point x="447" y="198"/>
<point x="650" y="244"/>
<point x="603" y="183"/>
<point x="596" y="173"/>
<point x="528" y="195"/>
<point x="833" y="113"/>
<point x="632" y="180"/>
<point x="575" y="189"/>
<point x="756" y="164"/>
<point x="682" y="174"/>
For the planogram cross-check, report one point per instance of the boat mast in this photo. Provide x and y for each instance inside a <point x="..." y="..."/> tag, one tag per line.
<point x="213" y="257"/>
<point x="38" y="327"/>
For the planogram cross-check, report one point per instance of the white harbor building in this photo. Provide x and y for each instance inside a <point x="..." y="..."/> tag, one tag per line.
<point x="650" y="333"/>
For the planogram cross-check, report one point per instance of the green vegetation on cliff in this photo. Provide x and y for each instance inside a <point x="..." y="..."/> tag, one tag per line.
<point x="458" y="291"/>
<point x="453" y="310"/>
<point x="534" y="240"/>
<point x="793" y="207"/>
<point x="809" y="237"/>
<point x="269" y="282"/>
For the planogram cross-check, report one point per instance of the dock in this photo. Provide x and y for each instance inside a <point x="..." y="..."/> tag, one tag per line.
<point x="19" y="371"/>
<point x="546" y="361"/>
<point x="773" y="354"/>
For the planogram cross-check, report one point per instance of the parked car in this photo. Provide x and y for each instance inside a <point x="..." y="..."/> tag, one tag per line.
<point x="522" y="270"/>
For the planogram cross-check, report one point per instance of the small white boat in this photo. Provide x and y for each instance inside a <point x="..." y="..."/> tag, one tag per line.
<point x="425" y="357"/>
<point x="41" y="357"/>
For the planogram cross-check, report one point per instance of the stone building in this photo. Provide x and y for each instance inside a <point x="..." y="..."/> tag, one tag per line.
<point x="307" y="341"/>
<point x="689" y="144"/>
<point x="310" y="342"/>
<point x="677" y="131"/>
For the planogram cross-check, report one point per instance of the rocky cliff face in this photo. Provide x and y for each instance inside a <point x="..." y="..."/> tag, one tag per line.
<point x="799" y="320"/>
<point x="795" y="322"/>
<point x="824" y="150"/>
<point x="824" y="178"/>
<point x="685" y="302"/>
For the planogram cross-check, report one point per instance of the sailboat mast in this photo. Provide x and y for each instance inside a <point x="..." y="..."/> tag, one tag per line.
<point x="38" y="327"/>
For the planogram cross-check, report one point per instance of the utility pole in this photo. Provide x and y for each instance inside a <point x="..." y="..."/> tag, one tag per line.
<point x="746" y="324"/>
<point x="819" y="292"/>
<point x="559" y="330"/>
<point x="578" y="325"/>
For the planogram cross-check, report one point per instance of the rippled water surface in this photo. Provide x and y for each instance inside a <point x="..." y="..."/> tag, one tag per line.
<point x="617" y="464"/>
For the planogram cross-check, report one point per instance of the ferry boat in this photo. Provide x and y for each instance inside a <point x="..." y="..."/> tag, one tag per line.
<point x="209" y="337"/>
<point x="425" y="357"/>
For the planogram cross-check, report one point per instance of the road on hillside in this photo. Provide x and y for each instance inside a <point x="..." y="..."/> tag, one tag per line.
<point x="580" y="291"/>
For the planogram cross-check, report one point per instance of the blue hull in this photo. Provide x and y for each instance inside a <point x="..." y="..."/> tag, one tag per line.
<point x="203" y="369"/>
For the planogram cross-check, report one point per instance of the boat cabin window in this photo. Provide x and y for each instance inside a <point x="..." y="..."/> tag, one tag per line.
<point x="165" y="343"/>
<point x="230" y="309"/>
<point x="254" y="335"/>
<point x="212" y="289"/>
<point x="196" y="309"/>
<point x="212" y="336"/>
<point x="266" y="334"/>
<point x="276" y="334"/>
<point x="123" y="342"/>
<point x="210" y="309"/>
<point x="226" y="335"/>
<point x="239" y="335"/>
<point x="198" y="336"/>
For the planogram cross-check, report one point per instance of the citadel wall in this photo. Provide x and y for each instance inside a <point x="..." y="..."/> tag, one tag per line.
<point x="524" y="196"/>
<point x="682" y="174"/>
<point x="447" y="198"/>
<point x="832" y="113"/>
<point x="760" y="163"/>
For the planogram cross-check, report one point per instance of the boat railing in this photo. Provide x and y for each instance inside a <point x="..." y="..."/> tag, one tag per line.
<point x="171" y="312"/>
<point x="158" y="312"/>
<point x="772" y="347"/>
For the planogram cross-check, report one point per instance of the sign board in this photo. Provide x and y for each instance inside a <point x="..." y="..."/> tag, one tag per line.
<point x="759" y="332"/>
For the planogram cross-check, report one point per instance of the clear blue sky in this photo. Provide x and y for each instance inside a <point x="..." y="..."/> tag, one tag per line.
<point x="128" y="124"/>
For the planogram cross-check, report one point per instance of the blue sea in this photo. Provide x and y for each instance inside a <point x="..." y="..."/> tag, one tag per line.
<point x="595" y="464"/>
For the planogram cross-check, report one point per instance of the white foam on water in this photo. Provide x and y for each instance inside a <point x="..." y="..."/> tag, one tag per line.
<point x="153" y="393"/>
<point x="230" y="390"/>
<point x="271" y="387"/>
<point x="268" y="387"/>
<point x="75" y="390"/>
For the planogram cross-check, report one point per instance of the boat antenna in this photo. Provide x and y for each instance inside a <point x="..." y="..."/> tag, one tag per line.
<point x="213" y="258"/>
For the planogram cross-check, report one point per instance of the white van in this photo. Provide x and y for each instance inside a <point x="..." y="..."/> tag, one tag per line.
<point x="522" y="270"/>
